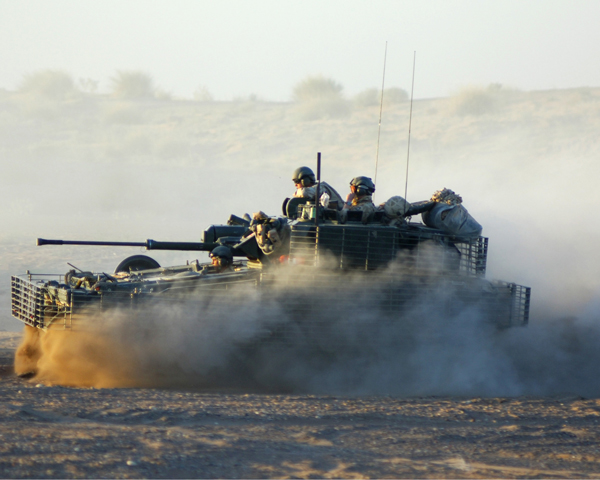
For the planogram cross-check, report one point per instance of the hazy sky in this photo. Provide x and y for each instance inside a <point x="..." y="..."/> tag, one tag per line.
<point x="263" y="47"/>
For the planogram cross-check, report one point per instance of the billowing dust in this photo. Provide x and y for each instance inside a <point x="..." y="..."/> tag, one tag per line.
<point x="85" y="358"/>
<point x="259" y="340"/>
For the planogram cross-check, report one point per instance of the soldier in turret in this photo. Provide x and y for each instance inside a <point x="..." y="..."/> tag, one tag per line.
<point x="305" y="182"/>
<point x="360" y="197"/>
<point x="222" y="259"/>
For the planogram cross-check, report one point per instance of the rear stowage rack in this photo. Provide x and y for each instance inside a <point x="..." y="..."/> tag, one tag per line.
<point x="520" y="303"/>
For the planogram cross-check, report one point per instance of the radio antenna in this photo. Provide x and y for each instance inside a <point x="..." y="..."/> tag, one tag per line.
<point x="380" y="111"/>
<point x="318" y="184"/>
<point x="409" y="123"/>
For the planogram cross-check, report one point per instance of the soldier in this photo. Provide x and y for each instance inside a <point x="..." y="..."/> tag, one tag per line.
<point x="222" y="259"/>
<point x="304" y="179"/>
<point x="361" y="197"/>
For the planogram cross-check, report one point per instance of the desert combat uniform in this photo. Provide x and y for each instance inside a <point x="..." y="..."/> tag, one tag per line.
<point x="335" y="199"/>
<point x="360" y="199"/>
<point x="304" y="179"/>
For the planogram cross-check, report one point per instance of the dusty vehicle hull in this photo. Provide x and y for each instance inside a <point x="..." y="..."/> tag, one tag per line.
<point x="44" y="301"/>
<point x="330" y="285"/>
<point x="400" y="268"/>
<point x="391" y="268"/>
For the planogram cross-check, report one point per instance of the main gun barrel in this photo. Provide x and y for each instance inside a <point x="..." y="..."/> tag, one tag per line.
<point x="189" y="246"/>
<point x="43" y="241"/>
<point x="148" y="244"/>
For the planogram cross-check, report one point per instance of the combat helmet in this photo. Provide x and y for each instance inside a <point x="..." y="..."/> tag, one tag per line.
<point x="364" y="185"/>
<point x="224" y="255"/>
<point x="304" y="176"/>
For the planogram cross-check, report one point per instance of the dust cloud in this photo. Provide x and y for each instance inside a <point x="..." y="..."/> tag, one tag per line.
<point x="296" y="338"/>
<point x="92" y="167"/>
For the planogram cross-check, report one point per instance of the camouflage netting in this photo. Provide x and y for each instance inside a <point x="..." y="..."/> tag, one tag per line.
<point x="446" y="196"/>
<point x="450" y="216"/>
<point x="271" y="233"/>
<point x="395" y="207"/>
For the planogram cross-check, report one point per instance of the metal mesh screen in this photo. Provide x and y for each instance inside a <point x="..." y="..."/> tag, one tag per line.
<point x="373" y="247"/>
<point x="34" y="305"/>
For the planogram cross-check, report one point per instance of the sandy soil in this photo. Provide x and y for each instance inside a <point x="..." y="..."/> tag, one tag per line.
<point x="58" y="432"/>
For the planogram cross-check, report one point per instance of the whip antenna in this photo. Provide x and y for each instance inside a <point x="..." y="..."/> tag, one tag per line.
<point x="409" y="123"/>
<point x="380" y="110"/>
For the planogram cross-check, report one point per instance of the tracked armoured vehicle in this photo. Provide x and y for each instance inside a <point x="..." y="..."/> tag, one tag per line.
<point x="321" y="265"/>
<point x="409" y="258"/>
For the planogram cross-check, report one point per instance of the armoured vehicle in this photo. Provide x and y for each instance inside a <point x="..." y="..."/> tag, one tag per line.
<point x="311" y="260"/>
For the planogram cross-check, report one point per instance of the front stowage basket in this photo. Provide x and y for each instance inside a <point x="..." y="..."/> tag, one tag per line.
<point x="33" y="304"/>
<point x="41" y="301"/>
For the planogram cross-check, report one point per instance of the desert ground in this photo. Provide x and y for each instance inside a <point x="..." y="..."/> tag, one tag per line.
<point x="50" y="431"/>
